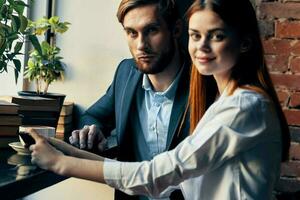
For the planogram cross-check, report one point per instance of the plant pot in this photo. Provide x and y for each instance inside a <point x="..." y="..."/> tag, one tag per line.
<point x="49" y="118"/>
<point x="60" y="97"/>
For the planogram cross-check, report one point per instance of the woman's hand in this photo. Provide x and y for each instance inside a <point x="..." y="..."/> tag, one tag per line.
<point x="47" y="153"/>
<point x="63" y="146"/>
<point x="43" y="154"/>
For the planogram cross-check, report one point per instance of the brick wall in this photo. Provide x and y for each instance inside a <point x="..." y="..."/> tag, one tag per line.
<point x="280" y="28"/>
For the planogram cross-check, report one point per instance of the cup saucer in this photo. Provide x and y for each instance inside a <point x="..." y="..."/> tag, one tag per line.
<point x="19" y="160"/>
<point x="18" y="147"/>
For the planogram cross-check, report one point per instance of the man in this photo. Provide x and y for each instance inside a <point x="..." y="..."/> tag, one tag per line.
<point x="146" y="104"/>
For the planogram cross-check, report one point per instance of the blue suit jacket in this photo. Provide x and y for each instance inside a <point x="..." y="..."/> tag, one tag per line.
<point x="111" y="110"/>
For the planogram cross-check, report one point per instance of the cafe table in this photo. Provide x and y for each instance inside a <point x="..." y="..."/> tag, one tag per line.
<point x="19" y="177"/>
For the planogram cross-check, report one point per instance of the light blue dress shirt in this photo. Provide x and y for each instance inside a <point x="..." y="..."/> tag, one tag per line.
<point x="154" y="114"/>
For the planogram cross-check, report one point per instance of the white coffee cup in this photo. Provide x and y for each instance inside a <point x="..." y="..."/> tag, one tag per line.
<point x="46" y="131"/>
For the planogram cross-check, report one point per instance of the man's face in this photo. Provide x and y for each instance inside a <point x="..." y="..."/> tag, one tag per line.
<point x="150" y="41"/>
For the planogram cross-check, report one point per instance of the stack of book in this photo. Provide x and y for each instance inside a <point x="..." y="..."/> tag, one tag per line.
<point x="36" y="110"/>
<point x="65" y="121"/>
<point x="10" y="120"/>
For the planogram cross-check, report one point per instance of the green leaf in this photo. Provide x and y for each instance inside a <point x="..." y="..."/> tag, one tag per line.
<point x="2" y="47"/>
<point x="2" y="2"/>
<point x="2" y="40"/>
<point x="62" y="27"/>
<point x="16" y="23"/>
<point x="2" y="66"/>
<point x="21" y="3"/>
<point x="10" y="11"/>
<point x="4" y="11"/>
<point x="17" y="64"/>
<point x="36" y="44"/>
<point x="54" y="20"/>
<point x="30" y="63"/>
<point x="24" y="23"/>
<point x="41" y="30"/>
<point x="4" y="29"/>
<point x="17" y="70"/>
<point x="12" y="37"/>
<point x="19" y="8"/>
<point x="18" y="47"/>
<point x="10" y="56"/>
<point x="11" y="2"/>
<point x="16" y="76"/>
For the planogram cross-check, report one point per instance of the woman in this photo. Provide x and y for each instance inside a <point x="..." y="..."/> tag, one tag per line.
<point x="239" y="133"/>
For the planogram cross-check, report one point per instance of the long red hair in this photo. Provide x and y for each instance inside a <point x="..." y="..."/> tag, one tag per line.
<point x="250" y="70"/>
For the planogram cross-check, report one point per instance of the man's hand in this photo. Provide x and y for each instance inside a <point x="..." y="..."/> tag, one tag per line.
<point x="88" y="137"/>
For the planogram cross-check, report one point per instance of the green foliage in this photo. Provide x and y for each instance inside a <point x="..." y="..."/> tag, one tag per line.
<point x="42" y="25"/>
<point x="44" y="65"/>
<point x="12" y="30"/>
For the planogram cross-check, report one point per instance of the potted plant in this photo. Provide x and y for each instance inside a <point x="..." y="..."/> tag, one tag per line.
<point x="44" y="65"/>
<point x="12" y="34"/>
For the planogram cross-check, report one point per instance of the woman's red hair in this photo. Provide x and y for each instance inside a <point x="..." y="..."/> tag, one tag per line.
<point x="249" y="72"/>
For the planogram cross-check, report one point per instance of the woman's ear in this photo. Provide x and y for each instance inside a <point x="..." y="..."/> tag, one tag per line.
<point x="177" y="30"/>
<point x="246" y="44"/>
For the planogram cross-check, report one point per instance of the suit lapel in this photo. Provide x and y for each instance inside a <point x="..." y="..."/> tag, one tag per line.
<point x="127" y="97"/>
<point x="179" y="105"/>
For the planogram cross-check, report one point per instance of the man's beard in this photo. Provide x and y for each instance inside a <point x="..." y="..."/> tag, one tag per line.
<point x="161" y="63"/>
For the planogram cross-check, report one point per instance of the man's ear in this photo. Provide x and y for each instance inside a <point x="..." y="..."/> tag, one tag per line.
<point x="246" y="44"/>
<point x="177" y="29"/>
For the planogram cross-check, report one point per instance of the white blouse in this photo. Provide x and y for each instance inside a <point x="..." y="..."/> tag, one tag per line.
<point x="234" y="153"/>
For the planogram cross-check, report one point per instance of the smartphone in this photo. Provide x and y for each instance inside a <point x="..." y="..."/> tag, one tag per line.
<point x="27" y="139"/>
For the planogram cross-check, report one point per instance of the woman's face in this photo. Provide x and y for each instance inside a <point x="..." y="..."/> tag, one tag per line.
<point x="213" y="46"/>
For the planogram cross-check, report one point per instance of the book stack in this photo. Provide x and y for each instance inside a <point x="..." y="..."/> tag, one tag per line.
<point x="10" y="120"/>
<point x="36" y="110"/>
<point x="65" y="121"/>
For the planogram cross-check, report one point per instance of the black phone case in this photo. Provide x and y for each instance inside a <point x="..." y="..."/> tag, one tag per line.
<point x="28" y="140"/>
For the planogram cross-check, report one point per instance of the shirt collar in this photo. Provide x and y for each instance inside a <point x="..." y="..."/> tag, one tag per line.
<point x="169" y="92"/>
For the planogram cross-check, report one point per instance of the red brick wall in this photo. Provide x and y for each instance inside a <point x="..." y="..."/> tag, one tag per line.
<point x="280" y="28"/>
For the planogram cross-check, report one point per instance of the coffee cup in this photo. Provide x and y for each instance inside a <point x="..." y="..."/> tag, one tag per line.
<point x="46" y="131"/>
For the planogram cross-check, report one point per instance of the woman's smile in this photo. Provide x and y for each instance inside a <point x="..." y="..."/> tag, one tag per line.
<point x="204" y="59"/>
